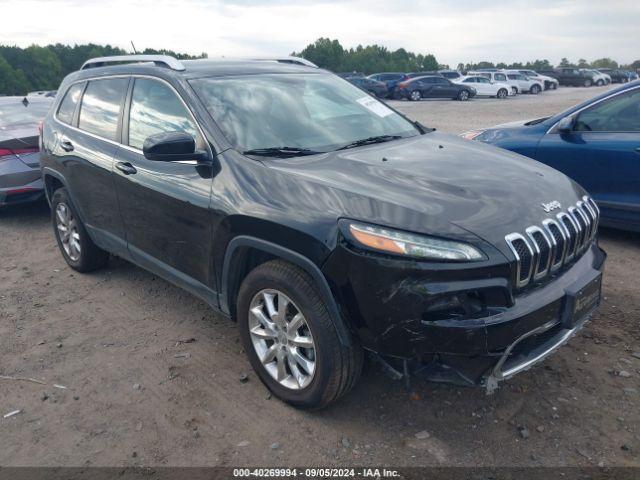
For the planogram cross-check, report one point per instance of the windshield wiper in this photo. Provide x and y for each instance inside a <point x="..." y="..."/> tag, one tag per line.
<point x="281" y="152"/>
<point x="370" y="140"/>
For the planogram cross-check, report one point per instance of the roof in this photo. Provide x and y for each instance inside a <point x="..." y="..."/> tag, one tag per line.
<point x="191" y="68"/>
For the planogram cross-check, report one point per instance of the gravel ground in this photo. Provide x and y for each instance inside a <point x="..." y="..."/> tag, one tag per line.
<point x="152" y="377"/>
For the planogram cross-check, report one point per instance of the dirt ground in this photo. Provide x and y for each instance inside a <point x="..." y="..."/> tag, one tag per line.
<point x="139" y="391"/>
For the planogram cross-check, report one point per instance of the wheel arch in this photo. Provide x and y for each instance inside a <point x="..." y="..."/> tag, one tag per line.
<point x="245" y="252"/>
<point x="52" y="181"/>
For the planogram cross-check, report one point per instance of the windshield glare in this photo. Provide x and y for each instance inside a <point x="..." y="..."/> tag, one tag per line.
<point x="313" y="111"/>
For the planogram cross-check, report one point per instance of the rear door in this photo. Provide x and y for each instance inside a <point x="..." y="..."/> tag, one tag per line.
<point x="445" y="88"/>
<point x="602" y="153"/>
<point x="164" y="205"/>
<point x="87" y="129"/>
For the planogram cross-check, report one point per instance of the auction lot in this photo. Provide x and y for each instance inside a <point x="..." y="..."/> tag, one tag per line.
<point x="152" y="377"/>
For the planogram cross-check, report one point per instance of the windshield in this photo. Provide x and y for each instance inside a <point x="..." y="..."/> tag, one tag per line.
<point x="317" y="112"/>
<point x="15" y="113"/>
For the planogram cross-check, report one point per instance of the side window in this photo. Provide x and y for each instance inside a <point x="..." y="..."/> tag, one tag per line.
<point x="483" y="80"/>
<point x="500" y="77"/>
<point x="155" y="108"/>
<point x="69" y="102"/>
<point x="470" y="80"/>
<point x="101" y="104"/>
<point x="619" y="114"/>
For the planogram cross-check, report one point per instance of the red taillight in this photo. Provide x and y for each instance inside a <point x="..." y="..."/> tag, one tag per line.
<point x="17" y="151"/>
<point x="403" y="84"/>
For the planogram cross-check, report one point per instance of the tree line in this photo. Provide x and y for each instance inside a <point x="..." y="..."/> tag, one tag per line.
<point x="42" y="68"/>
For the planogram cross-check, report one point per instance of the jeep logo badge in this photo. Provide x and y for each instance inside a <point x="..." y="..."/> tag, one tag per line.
<point x="548" y="207"/>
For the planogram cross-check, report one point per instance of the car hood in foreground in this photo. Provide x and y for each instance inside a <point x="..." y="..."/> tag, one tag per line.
<point x="436" y="184"/>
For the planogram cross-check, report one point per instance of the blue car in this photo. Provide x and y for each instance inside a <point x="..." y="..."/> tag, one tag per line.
<point x="596" y="143"/>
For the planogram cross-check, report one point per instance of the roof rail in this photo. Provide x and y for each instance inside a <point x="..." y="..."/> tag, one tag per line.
<point x="160" y="60"/>
<point x="294" y="60"/>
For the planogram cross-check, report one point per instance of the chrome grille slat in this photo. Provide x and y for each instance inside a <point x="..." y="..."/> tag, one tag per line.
<point x="543" y="250"/>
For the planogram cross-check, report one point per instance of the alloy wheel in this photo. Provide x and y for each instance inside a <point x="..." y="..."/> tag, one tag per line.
<point x="282" y="339"/>
<point x="464" y="95"/>
<point x="415" y="95"/>
<point x="68" y="231"/>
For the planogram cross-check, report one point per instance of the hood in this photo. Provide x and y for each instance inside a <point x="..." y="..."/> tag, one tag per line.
<point x="438" y="184"/>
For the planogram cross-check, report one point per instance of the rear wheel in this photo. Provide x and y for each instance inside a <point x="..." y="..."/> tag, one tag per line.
<point x="291" y="339"/>
<point x="76" y="247"/>
<point x="502" y="93"/>
<point x="588" y="82"/>
<point x="415" y="95"/>
<point x="463" y="95"/>
<point x="514" y="90"/>
<point x="554" y="86"/>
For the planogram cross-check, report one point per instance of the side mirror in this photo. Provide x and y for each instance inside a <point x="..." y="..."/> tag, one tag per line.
<point x="565" y="125"/>
<point x="171" y="147"/>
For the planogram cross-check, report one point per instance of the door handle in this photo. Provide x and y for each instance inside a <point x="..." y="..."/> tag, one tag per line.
<point x="126" y="168"/>
<point x="66" y="145"/>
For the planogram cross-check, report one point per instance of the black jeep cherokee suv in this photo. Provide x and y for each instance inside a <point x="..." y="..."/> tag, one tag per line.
<point x="321" y="220"/>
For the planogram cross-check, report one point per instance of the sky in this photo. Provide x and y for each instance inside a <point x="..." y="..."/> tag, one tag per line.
<point x="454" y="30"/>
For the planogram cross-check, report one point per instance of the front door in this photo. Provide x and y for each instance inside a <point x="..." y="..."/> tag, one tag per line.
<point x="602" y="153"/>
<point x="164" y="205"/>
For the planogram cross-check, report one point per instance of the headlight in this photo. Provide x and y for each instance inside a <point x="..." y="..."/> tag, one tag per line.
<point x="410" y="245"/>
<point x="471" y="134"/>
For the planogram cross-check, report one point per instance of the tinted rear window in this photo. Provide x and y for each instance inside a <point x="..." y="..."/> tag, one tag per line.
<point x="101" y="104"/>
<point x="68" y="104"/>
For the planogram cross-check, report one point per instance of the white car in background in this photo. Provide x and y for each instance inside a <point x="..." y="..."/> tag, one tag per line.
<point x="599" y="78"/>
<point x="525" y="84"/>
<point x="497" y="77"/>
<point x="549" y="83"/>
<point x="484" y="87"/>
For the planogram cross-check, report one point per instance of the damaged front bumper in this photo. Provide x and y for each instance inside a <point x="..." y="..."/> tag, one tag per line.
<point x="487" y="335"/>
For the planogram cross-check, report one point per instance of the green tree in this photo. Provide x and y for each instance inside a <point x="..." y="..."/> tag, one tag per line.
<point x="604" y="63"/>
<point x="564" y="62"/>
<point x="582" y="63"/>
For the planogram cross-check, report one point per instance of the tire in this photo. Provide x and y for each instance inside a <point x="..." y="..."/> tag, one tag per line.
<point x="588" y="82"/>
<point x="514" y="90"/>
<point x="76" y="247"/>
<point x="554" y="86"/>
<point x="463" y="95"/>
<point x="336" y="366"/>
<point x="415" y="95"/>
<point x="535" y="89"/>
<point x="599" y="83"/>
<point x="502" y="93"/>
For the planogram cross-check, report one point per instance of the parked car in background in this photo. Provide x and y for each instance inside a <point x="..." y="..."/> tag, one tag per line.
<point x="451" y="74"/>
<point x="484" y="87"/>
<point x="434" y="86"/>
<point x="599" y="79"/>
<point x="390" y="79"/>
<point x="549" y="83"/>
<point x="597" y="143"/>
<point x="498" y="76"/>
<point x="323" y="222"/>
<point x="20" y="179"/>
<point x="379" y="89"/>
<point x="421" y="74"/>
<point x="633" y="76"/>
<point x="617" y="76"/>
<point x="350" y="74"/>
<point x="524" y="83"/>
<point x="574" y="77"/>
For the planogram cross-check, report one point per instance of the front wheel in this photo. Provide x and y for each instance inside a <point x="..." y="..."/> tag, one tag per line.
<point x="535" y="89"/>
<point x="502" y="93"/>
<point x="599" y="83"/>
<point x="554" y="86"/>
<point x="463" y="95"/>
<point x="76" y="247"/>
<point x="514" y="90"/>
<point x="291" y="339"/>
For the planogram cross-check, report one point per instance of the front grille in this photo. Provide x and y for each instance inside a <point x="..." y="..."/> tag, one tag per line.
<point x="560" y="241"/>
